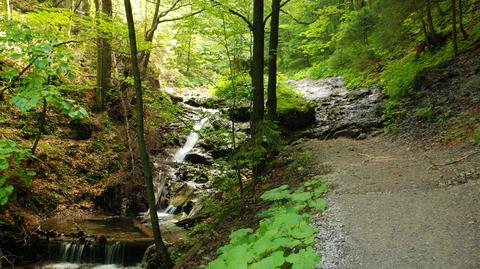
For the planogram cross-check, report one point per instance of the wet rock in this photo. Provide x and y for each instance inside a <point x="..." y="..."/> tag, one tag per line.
<point x="80" y="129"/>
<point x="197" y="158"/>
<point x="297" y="119"/>
<point x="211" y="103"/>
<point x="341" y="112"/>
<point x="183" y="196"/>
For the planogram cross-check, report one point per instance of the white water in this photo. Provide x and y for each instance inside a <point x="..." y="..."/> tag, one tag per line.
<point x="192" y="140"/>
<point x="67" y="265"/>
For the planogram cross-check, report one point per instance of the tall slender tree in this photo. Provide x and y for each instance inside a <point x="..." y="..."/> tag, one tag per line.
<point x="258" y="109"/>
<point x="272" y="61"/>
<point x="460" y="20"/>
<point x="454" y="27"/>
<point x="104" y="56"/>
<point x="162" y="254"/>
<point x="256" y="71"/>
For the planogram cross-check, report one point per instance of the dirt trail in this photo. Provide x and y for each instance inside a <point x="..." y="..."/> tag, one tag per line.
<point x="392" y="207"/>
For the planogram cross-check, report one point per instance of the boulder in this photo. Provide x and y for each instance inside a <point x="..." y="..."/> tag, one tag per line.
<point x="182" y="197"/>
<point x="197" y="158"/>
<point x="297" y="119"/>
<point x="80" y="129"/>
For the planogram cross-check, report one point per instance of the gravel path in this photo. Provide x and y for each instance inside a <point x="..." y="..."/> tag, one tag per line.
<point x="392" y="207"/>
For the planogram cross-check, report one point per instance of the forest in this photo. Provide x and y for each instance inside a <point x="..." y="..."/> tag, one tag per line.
<point x="333" y="134"/>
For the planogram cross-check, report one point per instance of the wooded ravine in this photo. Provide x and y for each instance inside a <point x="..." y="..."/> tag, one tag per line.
<point x="240" y="134"/>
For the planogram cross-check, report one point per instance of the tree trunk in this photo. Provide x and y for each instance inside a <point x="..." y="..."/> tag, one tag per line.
<point x="433" y="36"/>
<point x="41" y="125"/>
<point x="460" y="20"/>
<point x="104" y="57"/>
<point x="234" y="103"/>
<point x="258" y="109"/>
<point x="9" y="10"/>
<point x="161" y="250"/>
<point x="454" y="27"/>
<point x="257" y="63"/>
<point x="149" y="34"/>
<point x="272" y="61"/>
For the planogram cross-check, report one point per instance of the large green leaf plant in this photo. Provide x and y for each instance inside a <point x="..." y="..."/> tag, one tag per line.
<point x="284" y="236"/>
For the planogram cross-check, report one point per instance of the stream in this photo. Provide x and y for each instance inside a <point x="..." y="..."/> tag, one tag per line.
<point x="119" y="242"/>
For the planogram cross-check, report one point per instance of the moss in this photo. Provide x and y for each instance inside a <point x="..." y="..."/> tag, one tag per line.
<point x="289" y="99"/>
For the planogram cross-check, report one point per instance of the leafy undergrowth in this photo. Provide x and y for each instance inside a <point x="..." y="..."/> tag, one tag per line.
<point x="284" y="236"/>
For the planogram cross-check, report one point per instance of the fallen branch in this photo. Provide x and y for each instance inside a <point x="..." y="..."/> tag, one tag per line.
<point x="436" y="166"/>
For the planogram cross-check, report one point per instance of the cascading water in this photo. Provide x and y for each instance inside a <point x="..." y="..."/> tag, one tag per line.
<point x="169" y="213"/>
<point x="192" y="140"/>
<point x="92" y="254"/>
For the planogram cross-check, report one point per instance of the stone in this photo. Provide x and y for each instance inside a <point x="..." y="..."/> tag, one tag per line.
<point x="362" y="136"/>
<point x="80" y="129"/>
<point x="183" y="196"/>
<point x="197" y="158"/>
<point x="297" y="119"/>
<point x="348" y="133"/>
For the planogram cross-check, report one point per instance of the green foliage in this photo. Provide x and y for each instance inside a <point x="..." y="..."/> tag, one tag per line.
<point x="288" y="97"/>
<point x="252" y="152"/>
<point x="236" y="87"/>
<point x="165" y="109"/>
<point x="298" y="162"/>
<point x="283" y="238"/>
<point x="11" y="158"/>
<point x="398" y="78"/>
<point x="43" y="62"/>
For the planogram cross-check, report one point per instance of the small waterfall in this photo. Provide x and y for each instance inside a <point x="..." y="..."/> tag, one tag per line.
<point x="91" y="253"/>
<point x="114" y="253"/>
<point x="77" y="252"/>
<point x="170" y="209"/>
<point x="192" y="140"/>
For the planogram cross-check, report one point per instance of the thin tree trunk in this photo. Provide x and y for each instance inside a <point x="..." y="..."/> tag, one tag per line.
<point x="234" y="104"/>
<point x="258" y="63"/>
<point x="460" y="20"/>
<point x="272" y="61"/>
<point x="104" y="57"/>
<point x="454" y="27"/>
<point x="107" y="53"/>
<point x="149" y="34"/>
<point x="41" y="125"/>
<point x="161" y="250"/>
<point x="127" y="130"/>
<point x="100" y="69"/>
<point x="258" y="109"/>
<point x="434" y="40"/>
<point x="9" y="10"/>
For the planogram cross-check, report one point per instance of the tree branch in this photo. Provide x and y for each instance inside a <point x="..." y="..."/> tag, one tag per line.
<point x="182" y="17"/>
<point x="236" y="13"/>
<point x="250" y="25"/>
<point x="293" y="18"/>
<point x="270" y="15"/>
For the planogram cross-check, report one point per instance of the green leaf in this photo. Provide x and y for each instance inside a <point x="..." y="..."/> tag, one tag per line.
<point x="304" y="259"/>
<point x="301" y="197"/>
<point x="4" y="193"/>
<point x="4" y="164"/>
<point x="276" y="194"/>
<point x="319" y="204"/>
<point x="275" y="260"/>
